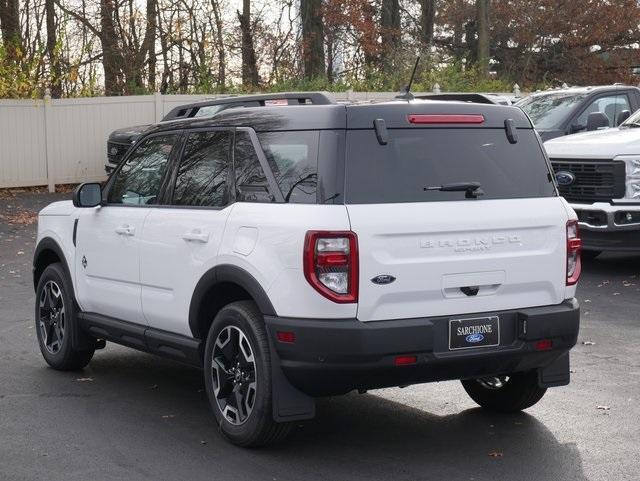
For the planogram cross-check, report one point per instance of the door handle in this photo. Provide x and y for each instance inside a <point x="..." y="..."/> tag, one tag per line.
<point x="196" y="235"/>
<point x="125" y="230"/>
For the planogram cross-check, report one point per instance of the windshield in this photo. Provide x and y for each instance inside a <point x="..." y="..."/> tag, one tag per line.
<point x="427" y="165"/>
<point x="547" y="111"/>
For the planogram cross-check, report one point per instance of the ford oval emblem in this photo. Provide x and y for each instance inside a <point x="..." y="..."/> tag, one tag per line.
<point x="565" y="178"/>
<point x="383" y="279"/>
<point x="474" y="338"/>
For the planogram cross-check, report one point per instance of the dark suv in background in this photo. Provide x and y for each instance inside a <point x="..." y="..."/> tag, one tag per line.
<point x="571" y="110"/>
<point x="120" y="140"/>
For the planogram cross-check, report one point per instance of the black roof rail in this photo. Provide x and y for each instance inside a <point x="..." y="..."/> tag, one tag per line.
<point x="461" y="97"/>
<point x="257" y="100"/>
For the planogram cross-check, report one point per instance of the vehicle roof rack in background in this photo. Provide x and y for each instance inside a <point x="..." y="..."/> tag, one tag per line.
<point x="257" y="100"/>
<point x="462" y="97"/>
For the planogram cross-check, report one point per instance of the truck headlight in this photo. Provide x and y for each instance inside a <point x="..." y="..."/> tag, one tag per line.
<point x="632" y="181"/>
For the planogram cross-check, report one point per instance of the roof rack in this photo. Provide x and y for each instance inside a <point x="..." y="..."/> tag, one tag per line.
<point x="461" y="97"/>
<point x="259" y="100"/>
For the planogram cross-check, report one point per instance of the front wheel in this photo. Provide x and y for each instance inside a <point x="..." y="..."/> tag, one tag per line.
<point x="56" y="320"/>
<point x="238" y="376"/>
<point x="505" y="393"/>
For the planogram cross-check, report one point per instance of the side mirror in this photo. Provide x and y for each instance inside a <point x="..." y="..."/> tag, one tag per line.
<point x="622" y="116"/>
<point x="597" y="120"/>
<point x="88" y="194"/>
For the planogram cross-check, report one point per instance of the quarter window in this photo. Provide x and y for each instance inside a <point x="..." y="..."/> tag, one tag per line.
<point x="139" y="180"/>
<point x="202" y="175"/>
<point x="251" y="183"/>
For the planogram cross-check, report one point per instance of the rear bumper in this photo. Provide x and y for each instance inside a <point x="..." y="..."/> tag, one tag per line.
<point x="336" y="356"/>
<point x="605" y="227"/>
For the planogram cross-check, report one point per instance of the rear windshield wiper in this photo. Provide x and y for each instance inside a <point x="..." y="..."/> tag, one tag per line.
<point x="472" y="190"/>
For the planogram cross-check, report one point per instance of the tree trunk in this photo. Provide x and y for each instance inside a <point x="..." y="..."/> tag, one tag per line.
<point x="427" y="19"/>
<point x="54" y="60"/>
<point x="149" y="44"/>
<point x="312" y="38"/>
<point x="222" y="72"/>
<point x="110" y="54"/>
<point x="250" y="76"/>
<point x="390" y="26"/>
<point x="482" y="15"/>
<point x="10" y="27"/>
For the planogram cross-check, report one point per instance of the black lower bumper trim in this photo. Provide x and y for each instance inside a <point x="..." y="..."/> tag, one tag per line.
<point x="336" y="356"/>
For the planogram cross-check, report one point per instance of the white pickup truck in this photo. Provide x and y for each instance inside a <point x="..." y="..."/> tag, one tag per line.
<point x="599" y="174"/>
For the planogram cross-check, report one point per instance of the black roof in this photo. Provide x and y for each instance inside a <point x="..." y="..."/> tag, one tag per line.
<point x="353" y="116"/>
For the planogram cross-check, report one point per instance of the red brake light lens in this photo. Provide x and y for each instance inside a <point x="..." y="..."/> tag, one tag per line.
<point x="405" y="360"/>
<point x="331" y="264"/>
<point x="574" y="247"/>
<point x="446" y="119"/>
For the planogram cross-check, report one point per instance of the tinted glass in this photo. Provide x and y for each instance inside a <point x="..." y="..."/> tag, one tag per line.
<point x="418" y="158"/>
<point x="251" y="183"/>
<point x="138" y="181"/>
<point x="548" y="111"/>
<point x="203" y="171"/>
<point x="293" y="158"/>
<point x="611" y="106"/>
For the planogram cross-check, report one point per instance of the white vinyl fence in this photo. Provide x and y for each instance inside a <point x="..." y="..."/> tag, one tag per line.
<point x="64" y="141"/>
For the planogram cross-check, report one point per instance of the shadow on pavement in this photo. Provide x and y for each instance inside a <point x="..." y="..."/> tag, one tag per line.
<point x="353" y="437"/>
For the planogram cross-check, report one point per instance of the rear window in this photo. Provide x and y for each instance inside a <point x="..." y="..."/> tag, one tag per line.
<point x="416" y="159"/>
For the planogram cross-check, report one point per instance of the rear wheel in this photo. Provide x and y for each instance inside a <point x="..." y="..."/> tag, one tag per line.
<point x="56" y="319"/>
<point x="505" y="393"/>
<point x="238" y="376"/>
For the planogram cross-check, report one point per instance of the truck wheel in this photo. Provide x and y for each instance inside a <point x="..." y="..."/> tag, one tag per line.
<point x="590" y="255"/>
<point x="505" y="393"/>
<point x="237" y="375"/>
<point x="55" y="320"/>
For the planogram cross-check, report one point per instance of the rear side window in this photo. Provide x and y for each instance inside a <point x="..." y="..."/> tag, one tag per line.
<point x="293" y="158"/>
<point x="251" y="183"/>
<point x="416" y="159"/>
<point x="203" y="171"/>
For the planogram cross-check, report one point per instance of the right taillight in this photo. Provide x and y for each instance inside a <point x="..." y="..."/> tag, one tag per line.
<point x="331" y="264"/>
<point x="574" y="246"/>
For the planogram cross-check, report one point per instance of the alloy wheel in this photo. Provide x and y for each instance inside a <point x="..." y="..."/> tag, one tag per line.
<point x="493" y="383"/>
<point x="234" y="375"/>
<point x="52" y="317"/>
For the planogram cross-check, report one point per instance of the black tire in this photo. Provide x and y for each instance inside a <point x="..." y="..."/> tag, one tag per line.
<point x="520" y="391"/>
<point x="253" y="424"/>
<point x="56" y="321"/>
<point x="589" y="255"/>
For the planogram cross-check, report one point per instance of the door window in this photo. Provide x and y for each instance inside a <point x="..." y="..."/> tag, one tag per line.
<point x="139" y="180"/>
<point x="203" y="172"/>
<point x="611" y="106"/>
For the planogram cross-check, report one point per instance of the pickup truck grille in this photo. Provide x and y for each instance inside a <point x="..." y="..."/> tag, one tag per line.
<point x="116" y="151"/>
<point x="595" y="180"/>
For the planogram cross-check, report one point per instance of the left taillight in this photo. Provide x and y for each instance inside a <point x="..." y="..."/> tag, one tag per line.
<point x="574" y="246"/>
<point x="331" y="264"/>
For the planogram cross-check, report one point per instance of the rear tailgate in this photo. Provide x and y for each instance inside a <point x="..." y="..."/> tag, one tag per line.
<point x="448" y="252"/>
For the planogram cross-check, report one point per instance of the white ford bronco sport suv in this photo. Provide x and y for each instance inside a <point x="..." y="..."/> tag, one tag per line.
<point x="302" y="251"/>
<point x="599" y="174"/>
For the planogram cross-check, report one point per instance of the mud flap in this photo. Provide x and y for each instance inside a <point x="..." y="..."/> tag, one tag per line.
<point x="556" y="373"/>
<point x="289" y="403"/>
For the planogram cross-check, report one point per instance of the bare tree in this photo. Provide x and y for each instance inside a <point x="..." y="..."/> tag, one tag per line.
<point x="390" y="27"/>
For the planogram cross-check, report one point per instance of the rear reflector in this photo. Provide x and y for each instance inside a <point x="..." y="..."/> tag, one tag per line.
<point x="446" y="119"/>
<point x="544" y="345"/>
<point x="286" y="336"/>
<point x="405" y="360"/>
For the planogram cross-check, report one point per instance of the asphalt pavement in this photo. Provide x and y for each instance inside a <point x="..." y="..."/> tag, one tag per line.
<point x="132" y="416"/>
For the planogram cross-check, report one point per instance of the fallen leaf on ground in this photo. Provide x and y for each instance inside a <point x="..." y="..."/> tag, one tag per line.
<point x="587" y="300"/>
<point x="495" y="454"/>
<point x="168" y="416"/>
<point x="85" y="379"/>
<point x="603" y="408"/>
<point x="588" y="343"/>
